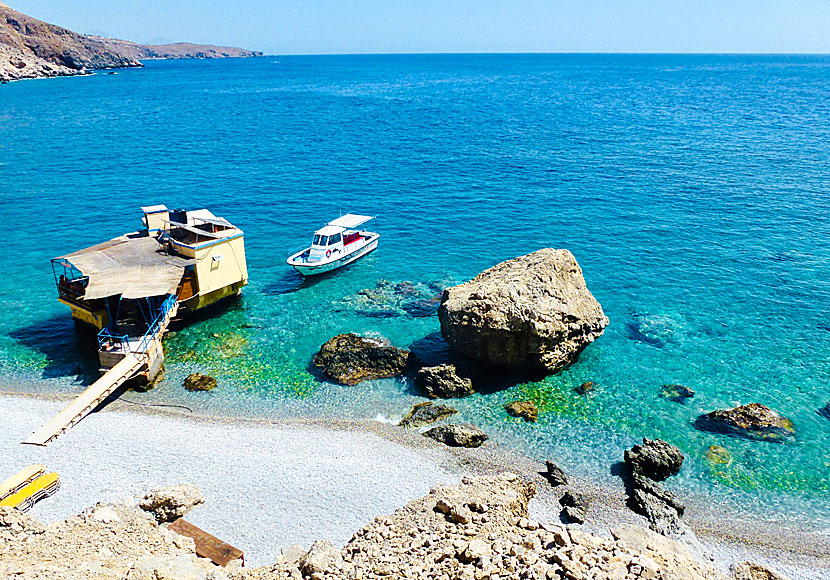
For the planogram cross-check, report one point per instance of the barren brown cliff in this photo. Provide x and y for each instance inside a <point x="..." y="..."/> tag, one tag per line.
<point x="31" y="48"/>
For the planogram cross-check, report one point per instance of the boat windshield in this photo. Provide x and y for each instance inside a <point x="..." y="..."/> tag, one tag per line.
<point x="320" y="240"/>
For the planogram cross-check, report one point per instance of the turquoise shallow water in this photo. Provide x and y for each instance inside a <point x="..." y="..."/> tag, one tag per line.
<point x="693" y="190"/>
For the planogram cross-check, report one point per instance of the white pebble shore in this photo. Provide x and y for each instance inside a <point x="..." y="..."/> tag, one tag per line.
<point x="265" y="486"/>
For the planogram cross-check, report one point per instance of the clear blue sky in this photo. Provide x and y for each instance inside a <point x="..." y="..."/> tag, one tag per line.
<point x="386" y="26"/>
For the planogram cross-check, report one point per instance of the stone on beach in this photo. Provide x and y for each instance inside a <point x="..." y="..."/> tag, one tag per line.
<point x="533" y="313"/>
<point x="443" y="382"/>
<point x="170" y="503"/>
<point x="753" y="571"/>
<point x="458" y="435"/>
<point x="554" y="474"/>
<point x="654" y="459"/>
<point x="574" y="507"/>
<point x="527" y="410"/>
<point x="754" y="421"/>
<point x="199" y="382"/>
<point x="350" y="359"/>
<point x="426" y="413"/>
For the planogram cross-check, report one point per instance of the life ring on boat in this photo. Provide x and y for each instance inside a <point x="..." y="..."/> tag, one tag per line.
<point x="328" y="253"/>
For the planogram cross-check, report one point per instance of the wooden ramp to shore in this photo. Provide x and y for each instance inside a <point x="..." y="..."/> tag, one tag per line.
<point x="87" y="401"/>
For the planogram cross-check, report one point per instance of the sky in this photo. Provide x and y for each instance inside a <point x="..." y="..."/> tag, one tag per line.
<point x="437" y="26"/>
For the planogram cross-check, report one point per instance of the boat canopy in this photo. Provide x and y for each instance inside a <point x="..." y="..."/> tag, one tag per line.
<point x="134" y="266"/>
<point x="351" y="220"/>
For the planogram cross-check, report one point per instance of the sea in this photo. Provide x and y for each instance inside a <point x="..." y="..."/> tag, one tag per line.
<point x="692" y="189"/>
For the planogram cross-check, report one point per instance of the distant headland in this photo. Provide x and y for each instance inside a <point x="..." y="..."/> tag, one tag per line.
<point x="31" y="48"/>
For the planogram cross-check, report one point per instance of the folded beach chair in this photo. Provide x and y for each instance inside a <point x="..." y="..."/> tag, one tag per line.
<point x="20" y="480"/>
<point x="44" y="486"/>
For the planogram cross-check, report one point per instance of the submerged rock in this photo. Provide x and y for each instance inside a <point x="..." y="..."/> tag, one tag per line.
<point x="575" y="507"/>
<point x="527" y="410"/>
<point x="585" y="388"/>
<point x="825" y="411"/>
<point x="717" y="455"/>
<point x="426" y="413"/>
<point x="458" y="435"/>
<point x="532" y="313"/>
<point x="754" y="421"/>
<point x="677" y="393"/>
<point x="654" y="459"/>
<point x="170" y="503"/>
<point x="443" y="382"/>
<point x="350" y="359"/>
<point x="199" y="382"/>
<point x="555" y="475"/>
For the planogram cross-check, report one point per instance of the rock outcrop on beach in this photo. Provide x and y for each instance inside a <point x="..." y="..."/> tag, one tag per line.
<point x="532" y="313"/>
<point x="170" y="503"/>
<point x="481" y="529"/>
<point x="31" y="48"/>
<point x="443" y="382"/>
<point x="753" y="421"/>
<point x="555" y="475"/>
<point x="458" y="435"/>
<point x="426" y="414"/>
<point x="653" y="461"/>
<point x="105" y="542"/>
<point x="350" y="359"/>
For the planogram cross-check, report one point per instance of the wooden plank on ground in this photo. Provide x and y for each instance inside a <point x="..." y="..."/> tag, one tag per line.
<point x="207" y="546"/>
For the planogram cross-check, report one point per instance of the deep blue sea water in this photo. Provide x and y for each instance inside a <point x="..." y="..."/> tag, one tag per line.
<point x="693" y="191"/>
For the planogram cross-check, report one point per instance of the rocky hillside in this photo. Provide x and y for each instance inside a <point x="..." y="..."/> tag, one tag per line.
<point x="31" y="48"/>
<point x="475" y="530"/>
<point x="177" y="50"/>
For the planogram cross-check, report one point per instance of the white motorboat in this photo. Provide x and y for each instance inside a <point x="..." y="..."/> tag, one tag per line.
<point x="336" y="244"/>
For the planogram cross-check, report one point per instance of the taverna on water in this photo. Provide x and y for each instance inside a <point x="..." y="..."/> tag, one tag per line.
<point x="130" y="287"/>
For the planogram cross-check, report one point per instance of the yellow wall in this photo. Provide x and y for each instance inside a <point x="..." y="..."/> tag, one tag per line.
<point x="230" y="269"/>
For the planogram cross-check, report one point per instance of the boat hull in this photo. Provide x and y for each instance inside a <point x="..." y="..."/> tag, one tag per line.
<point x="315" y="268"/>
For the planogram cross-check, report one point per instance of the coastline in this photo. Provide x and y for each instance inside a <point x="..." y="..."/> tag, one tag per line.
<point x="327" y="480"/>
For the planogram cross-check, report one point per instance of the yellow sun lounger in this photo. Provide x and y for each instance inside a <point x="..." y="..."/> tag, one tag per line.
<point x="20" y="480"/>
<point x="42" y="487"/>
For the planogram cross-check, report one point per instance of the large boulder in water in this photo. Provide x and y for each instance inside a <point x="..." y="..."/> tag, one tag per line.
<point x="753" y="420"/>
<point x="532" y="313"/>
<point x="350" y="359"/>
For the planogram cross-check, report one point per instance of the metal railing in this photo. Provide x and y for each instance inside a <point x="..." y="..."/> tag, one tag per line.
<point x="110" y="342"/>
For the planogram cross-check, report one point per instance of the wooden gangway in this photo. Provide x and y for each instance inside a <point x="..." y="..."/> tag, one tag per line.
<point x="93" y="396"/>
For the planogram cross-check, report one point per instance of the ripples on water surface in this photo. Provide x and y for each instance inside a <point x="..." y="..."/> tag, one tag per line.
<point x="693" y="190"/>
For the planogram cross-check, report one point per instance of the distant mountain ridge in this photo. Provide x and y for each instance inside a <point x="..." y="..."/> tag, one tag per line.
<point x="31" y="48"/>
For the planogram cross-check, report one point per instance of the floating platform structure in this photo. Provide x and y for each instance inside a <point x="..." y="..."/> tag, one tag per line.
<point x="130" y="288"/>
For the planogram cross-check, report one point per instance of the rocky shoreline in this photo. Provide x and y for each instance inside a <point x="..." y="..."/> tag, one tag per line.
<point x="480" y="528"/>
<point x="728" y="536"/>
<point x="31" y="48"/>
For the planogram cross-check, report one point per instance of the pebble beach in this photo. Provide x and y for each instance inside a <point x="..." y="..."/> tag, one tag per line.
<point x="310" y="480"/>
